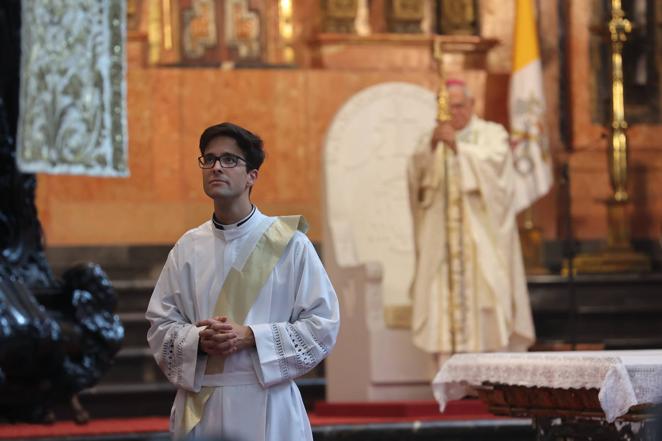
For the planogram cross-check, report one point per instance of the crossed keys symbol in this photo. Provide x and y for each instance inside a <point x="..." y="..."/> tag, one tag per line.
<point x="523" y="161"/>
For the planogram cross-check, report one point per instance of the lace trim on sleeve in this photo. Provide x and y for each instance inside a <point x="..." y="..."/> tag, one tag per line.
<point x="296" y="354"/>
<point x="306" y="356"/>
<point x="172" y="354"/>
<point x="324" y="348"/>
<point x="280" y="351"/>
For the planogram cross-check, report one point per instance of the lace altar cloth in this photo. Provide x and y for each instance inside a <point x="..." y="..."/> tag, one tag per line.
<point x="624" y="378"/>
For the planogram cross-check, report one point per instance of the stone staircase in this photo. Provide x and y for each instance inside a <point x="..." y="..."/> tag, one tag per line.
<point x="134" y="385"/>
<point x="611" y="312"/>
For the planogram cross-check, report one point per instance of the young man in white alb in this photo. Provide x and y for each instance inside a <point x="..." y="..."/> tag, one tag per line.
<point x="242" y="307"/>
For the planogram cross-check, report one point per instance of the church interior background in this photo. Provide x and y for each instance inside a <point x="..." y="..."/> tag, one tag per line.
<point x="283" y="89"/>
<point x="188" y="76"/>
<point x="285" y="69"/>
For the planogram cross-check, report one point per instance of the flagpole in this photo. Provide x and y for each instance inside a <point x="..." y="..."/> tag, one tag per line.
<point x="530" y="154"/>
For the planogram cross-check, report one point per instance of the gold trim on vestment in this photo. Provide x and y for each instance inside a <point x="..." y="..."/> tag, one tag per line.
<point x="460" y="310"/>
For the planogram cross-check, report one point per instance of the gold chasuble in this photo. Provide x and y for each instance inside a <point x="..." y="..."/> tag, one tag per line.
<point x="239" y="292"/>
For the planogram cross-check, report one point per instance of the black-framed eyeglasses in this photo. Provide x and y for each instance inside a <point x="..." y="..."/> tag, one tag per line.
<point x="226" y="160"/>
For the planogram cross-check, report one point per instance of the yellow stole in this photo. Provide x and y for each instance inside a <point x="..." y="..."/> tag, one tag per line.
<point x="239" y="292"/>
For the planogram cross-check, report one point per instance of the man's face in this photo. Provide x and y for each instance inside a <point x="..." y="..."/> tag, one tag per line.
<point x="461" y="108"/>
<point x="227" y="183"/>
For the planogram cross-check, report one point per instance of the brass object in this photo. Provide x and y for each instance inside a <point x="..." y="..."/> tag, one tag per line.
<point x="458" y="17"/>
<point x="397" y="316"/>
<point x="618" y="256"/>
<point x="339" y="15"/>
<point x="641" y="72"/>
<point x="453" y="218"/>
<point x="163" y="32"/>
<point x="286" y="30"/>
<point x="167" y="24"/>
<point x="154" y="36"/>
<point x="619" y="27"/>
<point x="443" y="113"/>
<point x="531" y="241"/>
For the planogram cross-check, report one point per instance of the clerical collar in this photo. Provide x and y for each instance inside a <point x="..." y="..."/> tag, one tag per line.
<point x="221" y="226"/>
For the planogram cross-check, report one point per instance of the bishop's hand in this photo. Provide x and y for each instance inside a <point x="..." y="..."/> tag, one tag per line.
<point x="445" y="133"/>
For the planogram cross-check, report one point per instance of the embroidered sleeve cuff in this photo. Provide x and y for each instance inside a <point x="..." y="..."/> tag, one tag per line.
<point x="268" y="362"/>
<point x="191" y="361"/>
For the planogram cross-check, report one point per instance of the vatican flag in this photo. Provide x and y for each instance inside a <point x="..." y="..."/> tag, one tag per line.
<point x="527" y="109"/>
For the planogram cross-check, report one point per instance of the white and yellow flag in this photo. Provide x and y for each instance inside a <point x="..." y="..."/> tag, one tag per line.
<point x="527" y="109"/>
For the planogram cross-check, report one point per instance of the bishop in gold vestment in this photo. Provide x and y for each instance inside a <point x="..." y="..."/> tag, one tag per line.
<point x="469" y="292"/>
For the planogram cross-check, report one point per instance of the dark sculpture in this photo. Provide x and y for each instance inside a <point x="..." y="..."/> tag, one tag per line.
<point x="57" y="337"/>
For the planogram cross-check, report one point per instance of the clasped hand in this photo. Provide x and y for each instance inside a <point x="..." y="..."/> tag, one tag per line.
<point x="445" y="133"/>
<point x="222" y="336"/>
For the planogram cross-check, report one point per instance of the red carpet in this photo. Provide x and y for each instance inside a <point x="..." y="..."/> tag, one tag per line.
<point x="93" y="428"/>
<point x="397" y="411"/>
<point x="324" y="414"/>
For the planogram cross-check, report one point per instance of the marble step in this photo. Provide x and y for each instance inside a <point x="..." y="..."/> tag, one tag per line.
<point x="133" y="295"/>
<point x="123" y="400"/>
<point x="135" y="329"/>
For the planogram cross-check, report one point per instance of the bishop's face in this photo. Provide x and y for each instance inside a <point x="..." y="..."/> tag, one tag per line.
<point x="227" y="183"/>
<point x="461" y="108"/>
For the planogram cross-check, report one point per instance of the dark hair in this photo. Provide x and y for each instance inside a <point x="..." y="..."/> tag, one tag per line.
<point x="248" y="142"/>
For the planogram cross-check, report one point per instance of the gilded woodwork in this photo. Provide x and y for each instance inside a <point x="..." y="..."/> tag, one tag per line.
<point x="458" y="17"/>
<point x="133" y="10"/>
<point x="405" y="16"/>
<point x="163" y="32"/>
<point x="339" y="16"/>
<point x="243" y="31"/>
<point x="206" y="32"/>
<point x="286" y="30"/>
<point x="199" y="31"/>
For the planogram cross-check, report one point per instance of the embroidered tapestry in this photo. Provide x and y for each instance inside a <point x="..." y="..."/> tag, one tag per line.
<point x="72" y="115"/>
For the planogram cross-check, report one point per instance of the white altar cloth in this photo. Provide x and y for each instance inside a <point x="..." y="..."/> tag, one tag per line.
<point x="624" y="378"/>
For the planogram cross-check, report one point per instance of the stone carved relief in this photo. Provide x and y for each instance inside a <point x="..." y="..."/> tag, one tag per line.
<point x="367" y="149"/>
<point x="72" y="96"/>
<point x="200" y="31"/>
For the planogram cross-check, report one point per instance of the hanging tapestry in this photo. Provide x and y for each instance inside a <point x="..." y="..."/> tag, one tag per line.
<point x="72" y="117"/>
